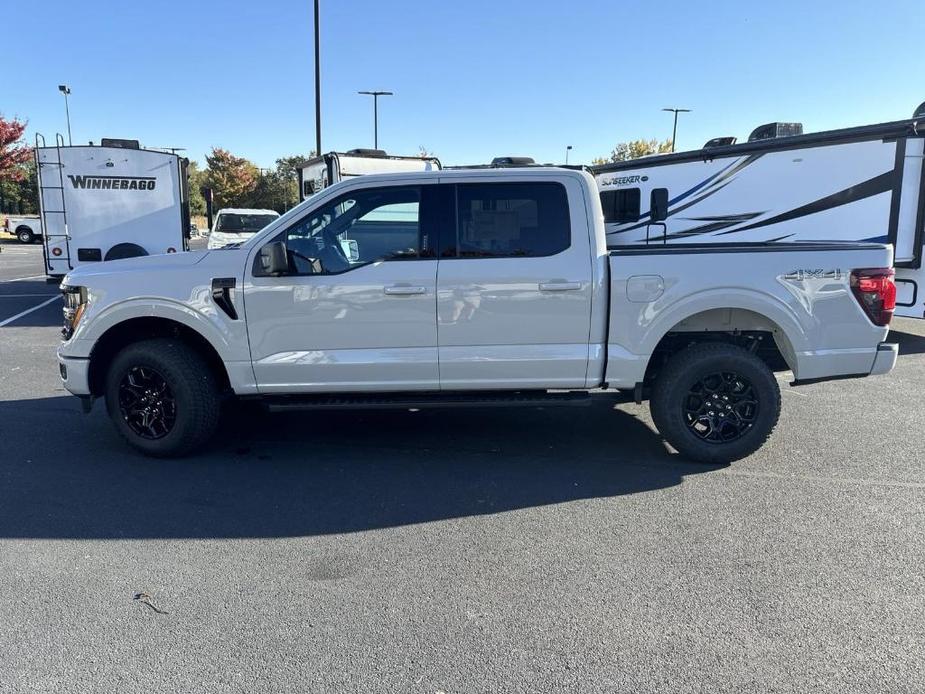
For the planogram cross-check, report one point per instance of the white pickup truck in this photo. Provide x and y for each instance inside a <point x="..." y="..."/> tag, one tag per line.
<point x="471" y="287"/>
<point x="27" y="229"/>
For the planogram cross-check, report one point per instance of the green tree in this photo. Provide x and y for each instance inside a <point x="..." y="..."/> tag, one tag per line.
<point x="273" y="191"/>
<point x="635" y="149"/>
<point x="287" y="166"/>
<point x="231" y="178"/>
<point x="287" y="170"/>
<point x="197" y="179"/>
<point x="19" y="192"/>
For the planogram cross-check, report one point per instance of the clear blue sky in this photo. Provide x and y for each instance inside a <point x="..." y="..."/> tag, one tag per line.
<point x="473" y="79"/>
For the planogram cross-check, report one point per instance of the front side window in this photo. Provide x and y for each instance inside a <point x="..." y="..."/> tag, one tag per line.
<point x="505" y="220"/>
<point x="356" y="229"/>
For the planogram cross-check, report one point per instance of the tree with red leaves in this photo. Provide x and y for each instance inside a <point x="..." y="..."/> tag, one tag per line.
<point x="13" y="153"/>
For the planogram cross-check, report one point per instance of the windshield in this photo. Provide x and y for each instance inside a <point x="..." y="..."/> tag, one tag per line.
<point x="232" y="223"/>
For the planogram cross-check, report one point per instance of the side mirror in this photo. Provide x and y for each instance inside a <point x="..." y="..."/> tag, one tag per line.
<point x="274" y="259"/>
<point x="658" y="204"/>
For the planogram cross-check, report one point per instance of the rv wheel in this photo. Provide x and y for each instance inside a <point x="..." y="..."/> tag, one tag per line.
<point x="24" y="234"/>
<point x="125" y="250"/>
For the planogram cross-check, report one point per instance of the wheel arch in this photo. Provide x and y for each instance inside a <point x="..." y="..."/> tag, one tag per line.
<point x="731" y="325"/>
<point x="140" y="328"/>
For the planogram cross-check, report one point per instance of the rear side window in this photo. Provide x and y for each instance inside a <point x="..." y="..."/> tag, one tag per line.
<point x="621" y="205"/>
<point x="509" y="220"/>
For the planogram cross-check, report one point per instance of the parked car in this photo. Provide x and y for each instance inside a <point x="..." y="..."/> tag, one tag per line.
<point x="479" y="288"/>
<point x="27" y="229"/>
<point x="233" y="225"/>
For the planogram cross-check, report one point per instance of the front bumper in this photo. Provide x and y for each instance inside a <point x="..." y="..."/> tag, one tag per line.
<point x="75" y="374"/>
<point x="887" y="353"/>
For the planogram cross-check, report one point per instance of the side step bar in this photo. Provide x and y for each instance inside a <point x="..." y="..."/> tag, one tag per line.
<point x="406" y="401"/>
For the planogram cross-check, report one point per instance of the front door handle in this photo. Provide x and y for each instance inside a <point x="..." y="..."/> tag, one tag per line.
<point x="559" y="286"/>
<point x="404" y="290"/>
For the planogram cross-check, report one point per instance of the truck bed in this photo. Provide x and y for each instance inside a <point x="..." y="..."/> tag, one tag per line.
<point x="797" y="293"/>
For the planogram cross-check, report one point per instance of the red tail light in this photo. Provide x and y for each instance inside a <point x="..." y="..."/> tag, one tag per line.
<point x="875" y="290"/>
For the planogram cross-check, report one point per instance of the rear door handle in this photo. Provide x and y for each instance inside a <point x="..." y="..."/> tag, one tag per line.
<point x="559" y="286"/>
<point x="404" y="290"/>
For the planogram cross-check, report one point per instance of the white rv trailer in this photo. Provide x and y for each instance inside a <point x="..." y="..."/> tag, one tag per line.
<point x="109" y="202"/>
<point x="320" y="172"/>
<point x="857" y="184"/>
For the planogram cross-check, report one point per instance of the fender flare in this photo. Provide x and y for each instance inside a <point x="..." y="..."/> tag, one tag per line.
<point x="88" y="334"/>
<point x="767" y="306"/>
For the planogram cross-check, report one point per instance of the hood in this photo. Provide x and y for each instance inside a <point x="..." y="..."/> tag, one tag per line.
<point x="146" y="263"/>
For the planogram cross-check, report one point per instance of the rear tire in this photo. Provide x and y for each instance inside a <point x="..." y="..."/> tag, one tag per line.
<point x="25" y="235"/>
<point x="162" y="397"/>
<point x="715" y="402"/>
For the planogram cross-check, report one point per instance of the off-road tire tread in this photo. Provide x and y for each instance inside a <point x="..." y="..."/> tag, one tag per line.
<point x="198" y="417"/>
<point x="665" y="396"/>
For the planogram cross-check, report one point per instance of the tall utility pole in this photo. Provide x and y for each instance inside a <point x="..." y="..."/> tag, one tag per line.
<point x="64" y="89"/>
<point x="317" y="80"/>
<point x="674" y="131"/>
<point x="376" y="96"/>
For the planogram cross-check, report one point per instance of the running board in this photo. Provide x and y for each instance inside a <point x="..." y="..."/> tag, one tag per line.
<point x="420" y="401"/>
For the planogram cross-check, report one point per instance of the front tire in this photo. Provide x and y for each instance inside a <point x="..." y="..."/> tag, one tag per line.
<point x="715" y="402"/>
<point x="162" y="397"/>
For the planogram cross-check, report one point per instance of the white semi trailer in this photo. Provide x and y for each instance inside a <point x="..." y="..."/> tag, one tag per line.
<point x="864" y="183"/>
<point x="108" y="202"/>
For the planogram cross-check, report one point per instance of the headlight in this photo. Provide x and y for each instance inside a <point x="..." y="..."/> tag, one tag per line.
<point x="75" y="304"/>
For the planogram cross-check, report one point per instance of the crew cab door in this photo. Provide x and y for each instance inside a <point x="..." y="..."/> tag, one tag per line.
<point x="514" y="285"/>
<point x="356" y="309"/>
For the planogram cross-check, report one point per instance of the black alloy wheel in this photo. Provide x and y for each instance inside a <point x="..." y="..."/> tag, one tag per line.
<point x="147" y="403"/>
<point x="721" y="407"/>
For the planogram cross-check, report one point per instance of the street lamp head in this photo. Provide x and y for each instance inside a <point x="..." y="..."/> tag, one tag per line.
<point x="677" y="110"/>
<point x="64" y="89"/>
<point x="378" y="93"/>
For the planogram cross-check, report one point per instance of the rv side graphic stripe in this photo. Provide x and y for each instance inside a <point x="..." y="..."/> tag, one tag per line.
<point x="874" y="186"/>
<point x="682" y="196"/>
<point x="716" y="225"/>
<point x="726" y="179"/>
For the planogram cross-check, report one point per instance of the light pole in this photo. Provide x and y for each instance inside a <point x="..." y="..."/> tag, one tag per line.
<point x="317" y="80"/>
<point x="376" y="96"/>
<point x="674" y="131"/>
<point x="568" y="149"/>
<point x="64" y="89"/>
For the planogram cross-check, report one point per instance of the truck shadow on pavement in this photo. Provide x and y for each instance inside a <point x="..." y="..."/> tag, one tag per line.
<point x="67" y="475"/>
<point x="909" y="343"/>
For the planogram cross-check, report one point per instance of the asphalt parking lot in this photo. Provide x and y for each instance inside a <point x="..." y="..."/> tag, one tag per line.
<point x="456" y="551"/>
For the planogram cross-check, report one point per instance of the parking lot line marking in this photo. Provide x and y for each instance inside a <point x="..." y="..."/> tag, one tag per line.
<point x="22" y="279"/>
<point x="28" y="311"/>
<point x="19" y="296"/>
